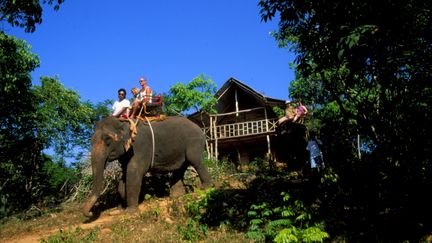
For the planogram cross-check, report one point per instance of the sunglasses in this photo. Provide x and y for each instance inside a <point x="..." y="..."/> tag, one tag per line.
<point x="121" y="93"/>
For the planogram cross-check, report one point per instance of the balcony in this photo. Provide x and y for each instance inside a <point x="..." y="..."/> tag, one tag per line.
<point x="241" y="129"/>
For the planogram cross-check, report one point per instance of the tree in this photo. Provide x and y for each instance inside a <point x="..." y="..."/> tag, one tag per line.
<point x="357" y="62"/>
<point x="64" y="122"/>
<point x="34" y="120"/>
<point x="25" y="13"/>
<point x="101" y="110"/>
<point x="372" y="64"/>
<point x="20" y="148"/>
<point x="31" y="120"/>
<point x="197" y="95"/>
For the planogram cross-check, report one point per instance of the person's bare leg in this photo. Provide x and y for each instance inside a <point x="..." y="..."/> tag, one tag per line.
<point x="134" y="110"/>
<point x="282" y="120"/>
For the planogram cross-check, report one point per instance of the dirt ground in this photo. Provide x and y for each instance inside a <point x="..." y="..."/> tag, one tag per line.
<point x="48" y="225"/>
<point x="114" y="225"/>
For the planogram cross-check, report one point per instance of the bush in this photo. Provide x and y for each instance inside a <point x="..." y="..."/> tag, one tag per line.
<point x="291" y="222"/>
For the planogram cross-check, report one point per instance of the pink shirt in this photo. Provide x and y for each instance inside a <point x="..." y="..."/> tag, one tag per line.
<point x="301" y="110"/>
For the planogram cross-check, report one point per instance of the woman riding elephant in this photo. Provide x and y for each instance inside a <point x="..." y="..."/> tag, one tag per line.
<point x="165" y="146"/>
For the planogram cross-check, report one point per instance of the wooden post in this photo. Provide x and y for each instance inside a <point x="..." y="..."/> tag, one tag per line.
<point x="211" y="127"/>
<point x="211" y="150"/>
<point x="208" y="149"/>
<point x="215" y="139"/>
<point x="211" y="137"/>
<point x="236" y="103"/>
<point x="268" y="146"/>
<point x="268" y="136"/>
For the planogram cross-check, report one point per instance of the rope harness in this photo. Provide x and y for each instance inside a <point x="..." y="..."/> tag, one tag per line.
<point x="133" y="133"/>
<point x="151" y="130"/>
<point x="153" y="142"/>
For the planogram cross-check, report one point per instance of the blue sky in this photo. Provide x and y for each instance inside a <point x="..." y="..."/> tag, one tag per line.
<point x="96" y="47"/>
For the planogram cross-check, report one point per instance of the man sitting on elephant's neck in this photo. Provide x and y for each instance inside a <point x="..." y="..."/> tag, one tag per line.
<point x="121" y="106"/>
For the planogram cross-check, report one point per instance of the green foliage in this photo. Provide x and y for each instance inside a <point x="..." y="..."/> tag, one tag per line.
<point x="72" y="236"/>
<point x="195" y="204"/>
<point x="20" y="149"/>
<point x="218" y="168"/>
<point x="101" y="110"/>
<point x="59" y="179"/>
<point x="64" y="122"/>
<point x="260" y="211"/>
<point x="311" y="234"/>
<point x="366" y="67"/>
<point x="279" y="111"/>
<point x="192" y="231"/>
<point x="25" y="13"/>
<point x="259" y="216"/>
<point x="35" y="120"/>
<point x="294" y="224"/>
<point x="197" y="95"/>
<point x="82" y="188"/>
<point x="368" y="79"/>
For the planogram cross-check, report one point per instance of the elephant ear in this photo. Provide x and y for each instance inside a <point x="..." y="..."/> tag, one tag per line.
<point x="129" y="136"/>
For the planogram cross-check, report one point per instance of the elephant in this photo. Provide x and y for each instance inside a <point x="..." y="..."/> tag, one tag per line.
<point x="164" y="146"/>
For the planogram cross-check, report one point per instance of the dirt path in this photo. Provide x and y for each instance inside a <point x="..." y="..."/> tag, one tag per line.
<point x="31" y="237"/>
<point x="105" y="219"/>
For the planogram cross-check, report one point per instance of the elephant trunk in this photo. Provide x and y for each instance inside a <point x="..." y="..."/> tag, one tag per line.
<point x="98" y="166"/>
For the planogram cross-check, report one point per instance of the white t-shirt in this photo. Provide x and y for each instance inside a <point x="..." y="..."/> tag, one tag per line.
<point x="147" y="94"/>
<point x="119" y="105"/>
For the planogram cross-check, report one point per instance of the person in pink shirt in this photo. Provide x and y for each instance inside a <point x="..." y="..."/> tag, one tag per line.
<point x="292" y="113"/>
<point x="301" y="111"/>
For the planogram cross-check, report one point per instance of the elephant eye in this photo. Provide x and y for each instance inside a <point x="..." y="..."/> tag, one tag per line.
<point x="107" y="139"/>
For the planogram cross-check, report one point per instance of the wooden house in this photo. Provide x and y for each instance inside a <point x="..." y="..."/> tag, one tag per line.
<point x="244" y="127"/>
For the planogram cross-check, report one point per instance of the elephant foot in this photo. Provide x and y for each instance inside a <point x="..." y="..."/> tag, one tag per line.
<point x="121" y="207"/>
<point x="177" y="190"/>
<point x="116" y="211"/>
<point x="131" y="210"/>
<point x="88" y="214"/>
<point x="206" y="185"/>
<point x="88" y="206"/>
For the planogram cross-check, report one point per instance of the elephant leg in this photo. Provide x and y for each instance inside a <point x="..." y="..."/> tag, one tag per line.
<point x="122" y="184"/>
<point x="122" y="192"/>
<point x="177" y="185"/>
<point x="134" y="176"/>
<point x="204" y="175"/>
<point x="195" y="157"/>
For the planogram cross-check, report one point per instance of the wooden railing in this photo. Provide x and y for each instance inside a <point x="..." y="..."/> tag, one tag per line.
<point x="242" y="129"/>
